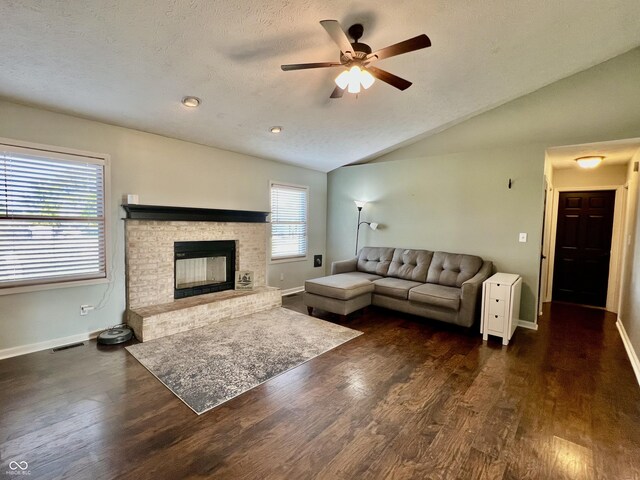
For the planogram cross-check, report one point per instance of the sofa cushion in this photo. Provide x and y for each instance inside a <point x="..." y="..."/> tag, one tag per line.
<point x="343" y="286"/>
<point x="452" y="269"/>
<point x="410" y="264"/>
<point x="375" y="260"/>
<point x="365" y="276"/>
<point x="437" y="295"/>
<point x="394" y="287"/>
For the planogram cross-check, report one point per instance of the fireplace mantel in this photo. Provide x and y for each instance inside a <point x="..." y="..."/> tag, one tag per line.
<point x="187" y="214"/>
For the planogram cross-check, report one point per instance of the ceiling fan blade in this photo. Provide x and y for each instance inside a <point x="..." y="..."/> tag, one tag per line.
<point x="304" y="66"/>
<point x="337" y="92"/>
<point x="390" y="78"/>
<point x="415" y="43"/>
<point x="336" y="32"/>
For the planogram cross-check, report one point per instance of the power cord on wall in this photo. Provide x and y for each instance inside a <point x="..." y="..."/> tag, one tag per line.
<point x="106" y="295"/>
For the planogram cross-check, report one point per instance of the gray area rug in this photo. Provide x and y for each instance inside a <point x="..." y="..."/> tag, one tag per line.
<point x="210" y="365"/>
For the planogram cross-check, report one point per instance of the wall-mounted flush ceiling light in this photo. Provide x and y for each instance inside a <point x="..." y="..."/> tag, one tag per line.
<point x="275" y="129"/>
<point x="191" y="102"/>
<point x="592" y="161"/>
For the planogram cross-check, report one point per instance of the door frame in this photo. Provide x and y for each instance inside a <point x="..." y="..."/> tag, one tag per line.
<point x="613" y="283"/>
<point x="544" y="252"/>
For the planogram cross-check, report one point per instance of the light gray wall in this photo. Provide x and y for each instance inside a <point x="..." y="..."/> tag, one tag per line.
<point x="161" y="171"/>
<point x="449" y="191"/>
<point x="457" y="203"/>
<point x="629" y="313"/>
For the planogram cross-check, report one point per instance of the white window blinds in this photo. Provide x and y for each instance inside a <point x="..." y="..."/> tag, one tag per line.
<point x="52" y="219"/>
<point x="289" y="205"/>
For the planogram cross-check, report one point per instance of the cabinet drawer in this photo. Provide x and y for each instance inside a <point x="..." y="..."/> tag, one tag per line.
<point x="496" y="307"/>
<point x="496" y="290"/>
<point x="495" y="323"/>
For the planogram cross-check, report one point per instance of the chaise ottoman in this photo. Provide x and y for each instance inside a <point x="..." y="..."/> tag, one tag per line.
<point x="342" y="294"/>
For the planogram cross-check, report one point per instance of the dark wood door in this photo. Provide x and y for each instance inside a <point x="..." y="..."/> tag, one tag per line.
<point x="583" y="247"/>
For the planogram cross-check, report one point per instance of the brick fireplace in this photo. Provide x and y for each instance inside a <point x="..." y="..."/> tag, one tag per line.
<point x="151" y="233"/>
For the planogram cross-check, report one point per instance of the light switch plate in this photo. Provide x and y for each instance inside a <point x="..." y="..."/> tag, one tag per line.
<point x="522" y="238"/>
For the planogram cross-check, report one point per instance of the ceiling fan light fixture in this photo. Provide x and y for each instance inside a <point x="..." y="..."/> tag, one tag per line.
<point x="342" y="80"/>
<point x="366" y="79"/>
<point x="357" y="57"/>
<point x="354" y="80"/>
<point x="591" y="161"/>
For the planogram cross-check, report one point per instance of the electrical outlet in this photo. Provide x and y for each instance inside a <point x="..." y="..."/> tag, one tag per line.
<point x="522" y="238"/>
<point x="85" y="309"/>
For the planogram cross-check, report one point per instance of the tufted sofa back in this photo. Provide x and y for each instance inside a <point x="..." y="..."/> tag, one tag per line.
<point x="452" y="269"/>
<point x="375" y="260"/>
<point x="410" y="264"/>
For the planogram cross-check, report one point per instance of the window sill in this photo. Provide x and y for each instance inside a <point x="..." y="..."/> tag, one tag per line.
<point x="51" y="286"/>
<point x="288" y="260"/>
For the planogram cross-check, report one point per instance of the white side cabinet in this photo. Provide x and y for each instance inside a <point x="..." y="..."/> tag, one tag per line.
<point x="500" y="306"/>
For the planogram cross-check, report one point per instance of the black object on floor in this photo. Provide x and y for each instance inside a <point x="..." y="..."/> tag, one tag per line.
<point x="65" y="347"/>
<point x="115" y="335"/>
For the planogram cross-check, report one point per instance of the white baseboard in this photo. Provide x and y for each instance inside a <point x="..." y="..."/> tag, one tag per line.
<point x="292" y="291"/>
<point x="633" y="357"/>
<point x="528" y="324"/>
<point x="56" y="342"/>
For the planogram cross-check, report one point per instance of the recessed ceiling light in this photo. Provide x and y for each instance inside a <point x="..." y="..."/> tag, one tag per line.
<point x="191" y="102"/>
<point x="591" y="161"/>
<point x="275" y="129"/>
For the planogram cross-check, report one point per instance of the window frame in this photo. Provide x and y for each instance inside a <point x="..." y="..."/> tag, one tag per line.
<point x="274" y="261"/>
<point x="73" y="155"/>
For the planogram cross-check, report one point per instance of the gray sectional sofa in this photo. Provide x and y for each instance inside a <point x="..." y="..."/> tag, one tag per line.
<point x="439" y="285"/>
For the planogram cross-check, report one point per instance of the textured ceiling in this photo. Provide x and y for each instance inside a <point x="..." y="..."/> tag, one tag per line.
<point x="615" y="153"/>
<point x="130" y="62"/>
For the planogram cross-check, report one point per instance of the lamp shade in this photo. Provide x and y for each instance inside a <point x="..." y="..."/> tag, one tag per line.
<point x="373" y="226"/>
<point x="342" y="80"/>
<point x="359" y="203"/>
<point x="366" y="79"/>
<point x="354" y="80"/>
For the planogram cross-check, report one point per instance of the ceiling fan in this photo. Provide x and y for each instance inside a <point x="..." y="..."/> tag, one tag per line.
<point x="357" y="58"/>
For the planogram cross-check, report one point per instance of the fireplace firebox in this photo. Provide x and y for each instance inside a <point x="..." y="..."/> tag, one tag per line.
<point x="203" y="267"/>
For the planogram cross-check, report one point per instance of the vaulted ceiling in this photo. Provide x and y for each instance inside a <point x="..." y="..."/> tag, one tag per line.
<point x="130" y="62"/>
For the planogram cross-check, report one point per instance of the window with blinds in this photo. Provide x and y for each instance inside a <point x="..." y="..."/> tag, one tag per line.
<point x="52" y="217"/>
<point x="289" y="207"/>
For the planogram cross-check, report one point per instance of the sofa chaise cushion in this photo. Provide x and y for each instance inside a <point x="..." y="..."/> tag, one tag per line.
<point x="343" y="286"/>
<point x="453" y="269"/>
<point x="394" y="287"/>
<point x="437" y="295"/>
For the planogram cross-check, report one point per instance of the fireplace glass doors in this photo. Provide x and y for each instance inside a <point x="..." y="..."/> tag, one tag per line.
<point x="203" y="267"/>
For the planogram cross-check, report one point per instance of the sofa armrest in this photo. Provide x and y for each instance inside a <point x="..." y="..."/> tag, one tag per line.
<point x="474" y="284"/>
<point x="469" y="304"/>
<point x="344" y="266"/>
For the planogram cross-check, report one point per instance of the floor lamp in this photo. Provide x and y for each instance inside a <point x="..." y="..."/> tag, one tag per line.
<point x="372" y="225"/>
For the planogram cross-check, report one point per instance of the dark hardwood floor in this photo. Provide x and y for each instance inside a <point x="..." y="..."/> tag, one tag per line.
<point x="410" y="398"/>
